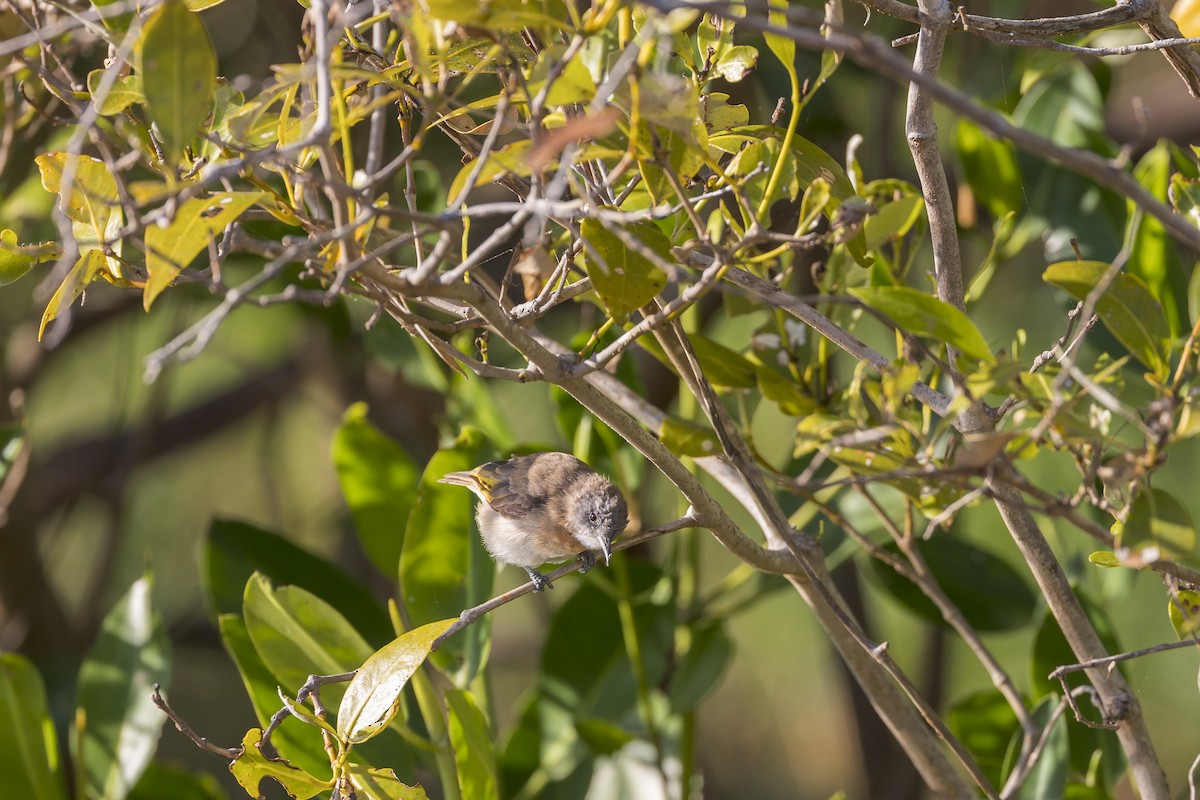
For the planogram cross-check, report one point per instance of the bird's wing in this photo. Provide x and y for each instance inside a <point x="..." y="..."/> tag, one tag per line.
<point x="505" y="488"/>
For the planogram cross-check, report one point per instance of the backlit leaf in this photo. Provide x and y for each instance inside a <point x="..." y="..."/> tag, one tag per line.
<point x="28" y="748"/>
<point x="175" y="59"/>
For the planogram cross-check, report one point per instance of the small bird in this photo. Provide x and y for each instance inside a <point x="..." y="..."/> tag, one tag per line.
<point x="544" y="508"/>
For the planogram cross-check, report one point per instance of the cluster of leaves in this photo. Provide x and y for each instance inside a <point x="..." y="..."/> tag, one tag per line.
<point x="647" y="195"/>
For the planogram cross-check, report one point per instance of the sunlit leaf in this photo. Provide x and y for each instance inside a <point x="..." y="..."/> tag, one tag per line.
<point x="252" y="766"/>
<point x="892" y="221"/>
<point x="381" y="784"/>
<point x="175" y="59"/>
<point x="16" y="259"/>
<point x="123" y="92"/>
<point x="92" y="194"/>
<point x="88" y="268"/>
<point x="122" y="724"/>
<point x="171" y="248"/>
<point x="1160" y="521"/>
<point x="373" y="694"/>
<point x="1184" y="612"/>
<point x="922" y="314"/>
<point x="990" y="164"/>
<point x="736" y="62"/>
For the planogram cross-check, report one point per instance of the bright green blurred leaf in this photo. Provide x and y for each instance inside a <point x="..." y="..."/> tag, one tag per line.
<point x="372" y="697"/>
<point x="169" y="249"/>
<point x="603" y="737"/>
<point x="572" y="84"/>
<point x="379" y="481"/>
<point x="736" y="62"/>
<point x="700" y="667"/>
<point x="990" y="165"/>
<point x="252" y="766"/>
<point x="892" y="221"/>
<point x="122" y="724"/>
<point x="1153" y="255"/>
<point x="178" y="67"/>
<point x="473" y="751"/>
<point x="922" y="314"/>
<point x="160" y="782"/>
<point x="29" y="766"/>
<point x="1104" y="558"/>
<point x="685" y="438"/>
<point x="624" y="278"/>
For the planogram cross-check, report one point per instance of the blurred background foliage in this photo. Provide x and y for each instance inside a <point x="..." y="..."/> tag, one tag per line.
<point x="122" y="478"/>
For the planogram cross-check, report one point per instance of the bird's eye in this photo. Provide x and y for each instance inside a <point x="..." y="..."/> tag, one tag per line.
<point x="591" y="516"/>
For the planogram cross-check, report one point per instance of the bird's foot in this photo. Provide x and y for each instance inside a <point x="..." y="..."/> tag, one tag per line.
<point x="540" y="581"/>
<point x="587" y="560"/>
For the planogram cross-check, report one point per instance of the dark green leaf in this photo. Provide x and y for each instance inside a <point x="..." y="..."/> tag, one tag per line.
<point x="121" y="723"/>
<point x="472" y="743"/>
<point x="28" y="748"/>
<point x="624" y="278"/>
<point x="988" y="592"/>
<point x="178" y="67"/>
<point x="985" y="723"/>
<point x="922" y="314"/>
<point x="233" y="551"/>
<point x="701" y="667"/>
<point x="373" y="695"/>
<point x="1127" y="309"/>
<point x="1153" y="256"/>
<point x="379" y="481"/>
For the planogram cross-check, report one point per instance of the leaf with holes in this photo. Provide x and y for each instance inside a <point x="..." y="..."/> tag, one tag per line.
<point x="624" y="278"/>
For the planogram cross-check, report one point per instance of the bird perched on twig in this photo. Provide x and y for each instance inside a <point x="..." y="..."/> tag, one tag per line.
<point x="544" y="508"/>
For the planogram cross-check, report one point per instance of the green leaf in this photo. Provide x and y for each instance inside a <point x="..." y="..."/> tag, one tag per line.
<point x="1104" y="558"/>
<point x="252" y="766"/>
<point x="381" y="784"/>
<point x="178" y="67"/>
<point x="892" y="221"/>
<point x="16" y="259"/>
<point x="379" y="481"/>
<point x="89" y="267"/>
<point x="990" y="165"/>
<point x="121" y="723"/>
<point x="1153" y="256"/>
<point x="603" y="737"/>
<point x="1185" y="197"/>
<point x="701" y="667"/>
<point x="736" y="62"/>
<point x="29" y="766"/>
<point x="624" y="278"/>
<point x="233" y="551"/>
<point x="989" y="593"/>
<point x="784" y="392"/>
<point x="124" y="92"/>
<point x="473" y="750"/>
<point x="92" y="194"/>
<point x="510" y="158"/>
<point x="12" y="443"/>
<point x="169" y="249"/>
<point x="1158" y="520"/>
<point x="444" y="568"/>
<point x="1048" y="777"/>
<point x="1128" y="309"/>
<point x="295" y="741"/>
<point x="986" y="724"/>
<point x="298" y="634"/>
<point x="685" y="438"/>
<point x="1184" y="612"/>
<point x="573" y="83"/>
<point x="921" y="314"/>
<point x="374" y="693"/>
<point x="161" y="781"/>
<point x="782" y="47"/>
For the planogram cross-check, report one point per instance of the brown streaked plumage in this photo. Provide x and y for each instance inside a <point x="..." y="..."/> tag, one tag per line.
<point x="544" y="508"/>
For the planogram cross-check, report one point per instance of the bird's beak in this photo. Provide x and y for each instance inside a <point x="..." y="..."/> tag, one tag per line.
<point x="606" y="548"/>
